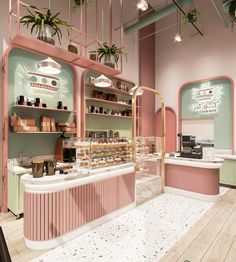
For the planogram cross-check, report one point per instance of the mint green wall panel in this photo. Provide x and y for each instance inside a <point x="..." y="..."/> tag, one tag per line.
<point x="23" y="76"/>
<point x="210" y="99"/>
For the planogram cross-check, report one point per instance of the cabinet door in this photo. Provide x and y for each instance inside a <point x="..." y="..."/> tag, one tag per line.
<point x="227" y="172"/>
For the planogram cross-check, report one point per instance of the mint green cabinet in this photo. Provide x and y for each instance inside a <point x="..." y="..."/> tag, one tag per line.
<point x="228" y="172"/>
<point x="14" y="193"/>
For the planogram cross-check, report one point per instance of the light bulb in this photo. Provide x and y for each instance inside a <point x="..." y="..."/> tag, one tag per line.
<point x="178" y="38"/>
<point x="143" y="5"/>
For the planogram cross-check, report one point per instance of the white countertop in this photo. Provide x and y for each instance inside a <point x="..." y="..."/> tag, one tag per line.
<point x="59" y="182"/>
<point x="226" y="156"/>
<point x="201" y="163"/>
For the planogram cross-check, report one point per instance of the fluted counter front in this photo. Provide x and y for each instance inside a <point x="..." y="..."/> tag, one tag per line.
<point x="55" y="212"/>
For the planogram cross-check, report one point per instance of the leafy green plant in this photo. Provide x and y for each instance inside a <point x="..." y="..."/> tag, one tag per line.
<point x="107" y="52"/>
<point x="38" y="20"/>
<point x="192" y="16"/>
<point x="232" y="9"/>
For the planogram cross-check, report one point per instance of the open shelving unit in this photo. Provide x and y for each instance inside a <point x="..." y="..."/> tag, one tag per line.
<point x="43" y="108"/>
<point x="110" y="89"/>
<point x="46" y="49"/>
<point x="108" y="115"/>
<point x="108" y="102"/>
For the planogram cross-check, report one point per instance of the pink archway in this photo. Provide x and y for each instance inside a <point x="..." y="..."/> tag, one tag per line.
<point x="170" y="128"/>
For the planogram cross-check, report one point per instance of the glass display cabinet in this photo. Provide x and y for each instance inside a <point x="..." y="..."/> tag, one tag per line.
<point x="148" y="152"/>
<point x="96" y="153"/>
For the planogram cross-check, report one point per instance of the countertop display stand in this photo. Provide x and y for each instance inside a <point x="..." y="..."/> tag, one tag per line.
<point x="138" y="90"/>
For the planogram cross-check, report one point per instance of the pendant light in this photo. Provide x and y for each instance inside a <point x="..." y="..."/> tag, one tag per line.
<point x="102" y="81"/>
<point x="143" y="5"/>
<point x="49" y="66"/>
<point x="139" y="92"/>
<point x="178" y="37"/>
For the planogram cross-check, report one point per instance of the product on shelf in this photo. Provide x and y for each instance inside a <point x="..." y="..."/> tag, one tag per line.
<point x="24" y="129"/>
<point x="19" y="124"/>
<point x="65" y="124"/>
<point x="21" y="100"/>
<point x="66" y="127"/>
<point x="102" y="152"/>
<point x="19" y="121"/>
<point x="52" y="125"/>
<point x="45" y="124"/>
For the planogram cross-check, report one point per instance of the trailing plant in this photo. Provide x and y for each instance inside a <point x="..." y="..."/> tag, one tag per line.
<point x="192" y="16"/>
<point x="107" y="51"/>
<point x="232" y="9"/>
<point x="38" y="20"/>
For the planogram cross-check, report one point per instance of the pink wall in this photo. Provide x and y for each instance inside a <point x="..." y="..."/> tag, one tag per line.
<point x="196" y="57"/>
<point x="147" y="78"/>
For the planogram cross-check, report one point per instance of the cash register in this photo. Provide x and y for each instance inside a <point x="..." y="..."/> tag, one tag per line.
<point x="190" y="149"/>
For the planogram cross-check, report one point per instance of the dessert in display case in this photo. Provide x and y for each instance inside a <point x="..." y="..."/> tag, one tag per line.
<point x="96" y="153"/>
<point x="148" y="152"/>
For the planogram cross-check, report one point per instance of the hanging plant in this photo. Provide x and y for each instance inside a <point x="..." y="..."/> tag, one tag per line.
<point x="46" y="25"/>
<point x="77" y="3"/>
<point x="232" y="9"/>
<point x="192" y="16"/>
<point x="110" y="54"/>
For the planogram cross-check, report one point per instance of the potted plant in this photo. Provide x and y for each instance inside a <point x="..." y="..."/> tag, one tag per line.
<point x="192" y="16"/>
<point x="77" y="3"/>
<point x="46" y="25"/>
<point x="232" y="10"/>
<point x="110" y="54"/>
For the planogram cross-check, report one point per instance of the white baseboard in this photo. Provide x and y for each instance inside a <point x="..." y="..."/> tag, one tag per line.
<point x="48" y="244"/>
<point x="208" y="198"/>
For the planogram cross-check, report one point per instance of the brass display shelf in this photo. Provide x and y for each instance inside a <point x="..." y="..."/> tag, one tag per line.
<point x="97" y="114"/>
<point x="111" y="89"/>
<point x="43" y="108"/>
<point x="38" y="46"/>
<point x="107" y="102"/>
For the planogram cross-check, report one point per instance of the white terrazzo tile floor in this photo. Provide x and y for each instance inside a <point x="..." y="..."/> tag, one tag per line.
<point x="143" y="234"/>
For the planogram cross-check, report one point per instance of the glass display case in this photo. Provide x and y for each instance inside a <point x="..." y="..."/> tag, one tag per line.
<point x="96" y="153"/>
<point x="148" y="152"/>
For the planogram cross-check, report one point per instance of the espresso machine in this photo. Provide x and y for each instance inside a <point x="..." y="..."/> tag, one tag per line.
<point x="190" y="149"/>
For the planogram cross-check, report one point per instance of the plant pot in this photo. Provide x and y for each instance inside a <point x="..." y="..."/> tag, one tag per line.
<point x="109" y="60"/>
<point x="46" y="34"/>
<point x="72" y="47"/>
<point x="79" y="2"/>
<point x="93" y="57"/>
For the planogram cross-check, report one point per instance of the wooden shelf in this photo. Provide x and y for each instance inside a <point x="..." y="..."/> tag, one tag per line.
<point x="111" y="89"/>
<point x="107" y="102"/>
<point x="43" y="108"/>
<point x="39" y="46"/>
<point x="95" y="114"/>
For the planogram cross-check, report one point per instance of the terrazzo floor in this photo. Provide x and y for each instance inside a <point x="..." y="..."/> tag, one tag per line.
<point x="143" y="234"/>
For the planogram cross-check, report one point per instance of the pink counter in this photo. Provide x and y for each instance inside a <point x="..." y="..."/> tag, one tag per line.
<point x="56" y="212"/>
<point x="195" y="176"/>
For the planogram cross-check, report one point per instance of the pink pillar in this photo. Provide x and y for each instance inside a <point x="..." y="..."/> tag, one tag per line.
<point x="147" y="78"/>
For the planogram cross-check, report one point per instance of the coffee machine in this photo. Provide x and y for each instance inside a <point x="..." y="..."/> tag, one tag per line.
<point x="189" y="147"/>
